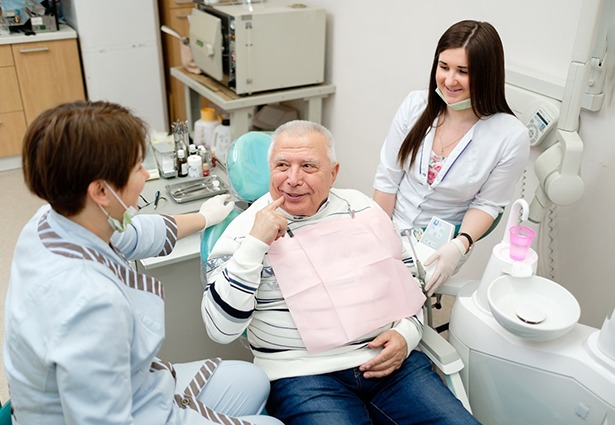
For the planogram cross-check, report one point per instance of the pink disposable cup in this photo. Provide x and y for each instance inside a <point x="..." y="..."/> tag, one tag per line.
<point x="521" y="238"/>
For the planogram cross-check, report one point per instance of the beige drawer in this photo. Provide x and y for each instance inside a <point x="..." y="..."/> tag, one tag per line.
<point x="10" y="100"/>
<point x="6" y="55"/>
<point x="12" y="130"/>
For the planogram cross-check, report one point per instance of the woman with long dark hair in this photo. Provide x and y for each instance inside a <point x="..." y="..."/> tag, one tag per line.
<point x="454" y="151"/>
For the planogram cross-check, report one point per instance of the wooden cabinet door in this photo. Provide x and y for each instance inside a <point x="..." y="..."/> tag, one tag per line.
<point x="10" y="99"/>
<point x="49" y="73"/>
<point x="174" y="4"/>
<point x="178" y="20"/>
<point x="12" y="130"/>
<point x="12" y="122"/>
<point x="6" y="55"/>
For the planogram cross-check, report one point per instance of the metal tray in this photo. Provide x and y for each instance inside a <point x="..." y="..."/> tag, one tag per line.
<point x="196" y="189"/>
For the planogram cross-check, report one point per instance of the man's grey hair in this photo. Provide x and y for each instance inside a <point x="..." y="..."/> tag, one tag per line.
<point x="300" y="127"/>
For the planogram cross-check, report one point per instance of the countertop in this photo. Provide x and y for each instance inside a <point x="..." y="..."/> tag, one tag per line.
<point x="188" y="247"/>
<point x="65" y="32"/>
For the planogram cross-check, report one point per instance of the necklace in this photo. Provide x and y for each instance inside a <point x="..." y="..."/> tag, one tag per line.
<point x="443" y="146"/>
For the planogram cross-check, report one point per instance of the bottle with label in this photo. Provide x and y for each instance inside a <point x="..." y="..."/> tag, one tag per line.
<point x="222" y="141"/>
<point x="204" y="128"/>
<point x="195" y="165"/>
<point x="182" y="163"/>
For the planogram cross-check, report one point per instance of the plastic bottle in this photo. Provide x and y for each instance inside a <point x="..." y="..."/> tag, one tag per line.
<point x="204" y="128"/>
<point x="222" y="141"/>
<point x="182" y="163"/>
<point x="195" y="165"/>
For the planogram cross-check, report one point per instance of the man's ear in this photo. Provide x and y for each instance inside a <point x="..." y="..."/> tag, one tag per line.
<point x="334" y="171"/>
<point x="97" y="191"/>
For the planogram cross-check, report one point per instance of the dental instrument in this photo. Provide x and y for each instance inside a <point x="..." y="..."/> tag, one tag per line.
<point x="156" y="199"/>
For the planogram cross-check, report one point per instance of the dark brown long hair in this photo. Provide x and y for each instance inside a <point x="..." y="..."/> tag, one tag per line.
<point x="71" y="145"/>
<point x="485" y="55"/>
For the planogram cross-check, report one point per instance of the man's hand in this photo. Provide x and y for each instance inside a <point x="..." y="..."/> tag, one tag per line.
<point x="269" y="224"/>
<point x="393" y="354"/>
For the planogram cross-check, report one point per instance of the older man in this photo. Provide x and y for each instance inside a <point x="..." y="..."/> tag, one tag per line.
<point x="315" y="276"/>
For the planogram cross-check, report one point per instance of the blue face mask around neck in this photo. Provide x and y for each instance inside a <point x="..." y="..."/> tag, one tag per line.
<point x="127" y="217"/>
<point x="458" y="106"/>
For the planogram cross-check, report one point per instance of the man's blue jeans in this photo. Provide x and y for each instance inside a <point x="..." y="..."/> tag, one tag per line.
<point x="413" y="394"/>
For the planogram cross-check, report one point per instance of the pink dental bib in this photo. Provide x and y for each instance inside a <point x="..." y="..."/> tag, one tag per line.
<point x="344" y="278"/>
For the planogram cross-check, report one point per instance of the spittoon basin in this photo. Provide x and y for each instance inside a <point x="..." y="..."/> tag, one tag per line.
<point x="534" y="308"/>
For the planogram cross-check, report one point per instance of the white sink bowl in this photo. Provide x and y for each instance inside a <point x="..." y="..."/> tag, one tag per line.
<point x="534" y="308"/>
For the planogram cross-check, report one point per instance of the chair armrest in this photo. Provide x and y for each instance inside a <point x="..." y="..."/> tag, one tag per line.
<point x="440" y="351"/>
<point x="453" y="285"/>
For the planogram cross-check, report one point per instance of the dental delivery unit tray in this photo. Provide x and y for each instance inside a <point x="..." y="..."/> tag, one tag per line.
<point x="196" y="189"/>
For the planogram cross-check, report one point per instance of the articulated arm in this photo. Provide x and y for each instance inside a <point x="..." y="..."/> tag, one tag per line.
<point x="557" y="170"/>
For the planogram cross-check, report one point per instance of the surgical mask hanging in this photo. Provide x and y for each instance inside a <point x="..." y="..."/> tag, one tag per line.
<point x="458" y="106"/>
<point x="129" y="213"/>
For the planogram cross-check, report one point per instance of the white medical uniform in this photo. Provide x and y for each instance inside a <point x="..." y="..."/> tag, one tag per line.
<point x="481" y="172"/>
<point x="83" y="328"/>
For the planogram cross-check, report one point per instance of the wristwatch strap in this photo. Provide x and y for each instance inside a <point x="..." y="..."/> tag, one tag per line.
<point x="469" y="238"/>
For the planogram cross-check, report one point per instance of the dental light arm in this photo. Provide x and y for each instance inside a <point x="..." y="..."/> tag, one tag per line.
<point x="610" y="57"/>
<point x="557" y="168"/>
<point x="601" y="67"/>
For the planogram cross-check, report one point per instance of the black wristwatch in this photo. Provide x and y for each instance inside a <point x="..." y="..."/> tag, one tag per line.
<point x="469" y="238"/>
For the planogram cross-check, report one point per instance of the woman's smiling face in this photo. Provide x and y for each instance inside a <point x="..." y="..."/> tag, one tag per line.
<point x="452" y="76"/>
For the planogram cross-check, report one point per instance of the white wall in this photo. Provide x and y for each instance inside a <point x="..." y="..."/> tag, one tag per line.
<point x="379" y="51"/>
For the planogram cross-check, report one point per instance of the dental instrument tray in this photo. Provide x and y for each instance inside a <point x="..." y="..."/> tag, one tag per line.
<point x="196" y="189"/>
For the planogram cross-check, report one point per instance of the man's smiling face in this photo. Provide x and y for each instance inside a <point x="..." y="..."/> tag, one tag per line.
<point x="301" y="172"/>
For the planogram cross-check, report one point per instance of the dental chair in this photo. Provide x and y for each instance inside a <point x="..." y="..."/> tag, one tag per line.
<point x="248" y="173"/>
<point x="527" y="359"/>
<point x="5" y="413"/>
<point x="247" y="167"/>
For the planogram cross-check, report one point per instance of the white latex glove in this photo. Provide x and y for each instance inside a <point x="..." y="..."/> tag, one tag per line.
<point x="216" y="209"/>
<point x="446" y="258"/>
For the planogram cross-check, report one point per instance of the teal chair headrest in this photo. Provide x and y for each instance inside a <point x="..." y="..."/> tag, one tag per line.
<point x="248" y="166"/>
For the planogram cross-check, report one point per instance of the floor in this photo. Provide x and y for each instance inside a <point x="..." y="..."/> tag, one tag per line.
<point x="20" y="205"/>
